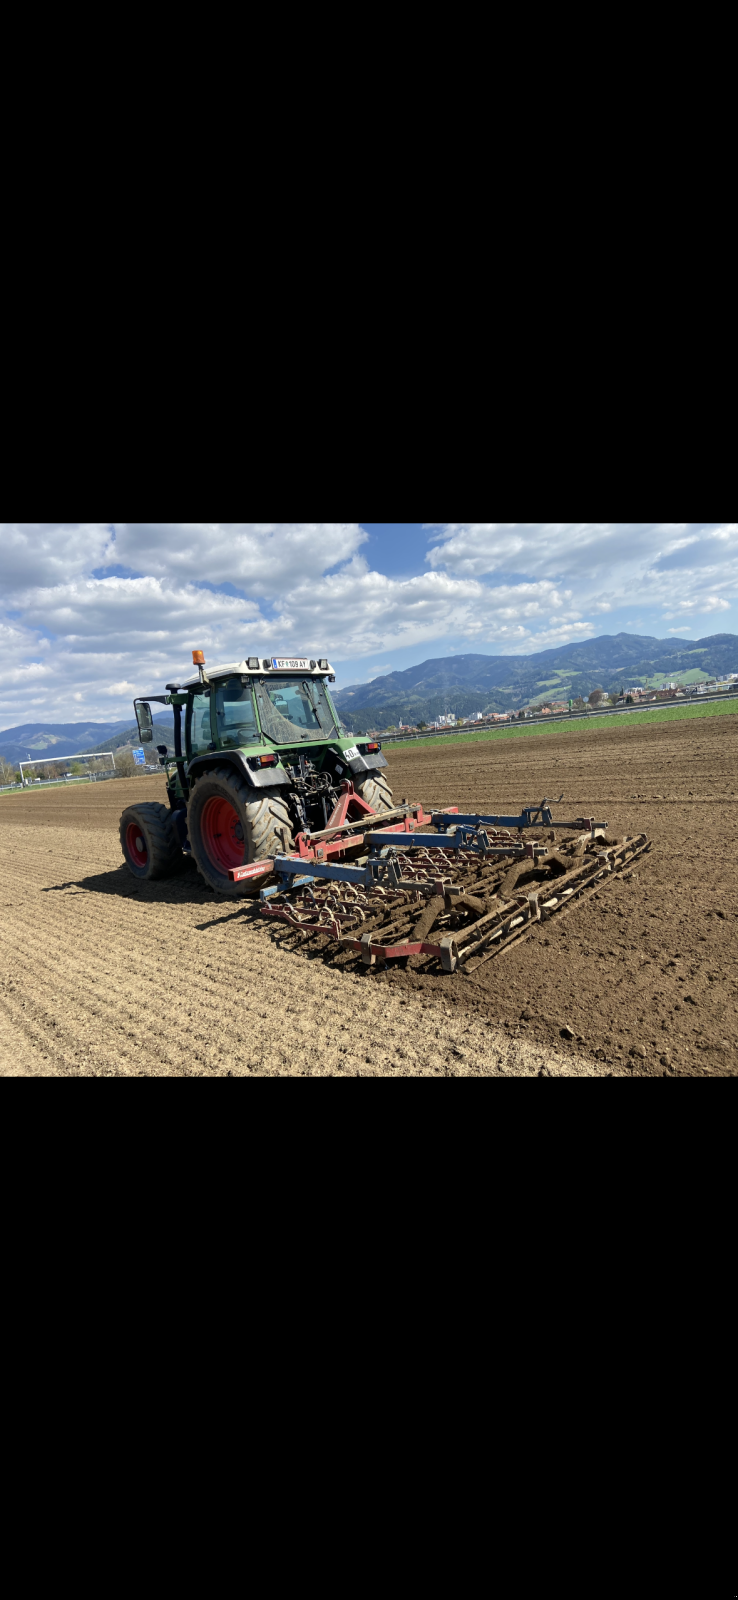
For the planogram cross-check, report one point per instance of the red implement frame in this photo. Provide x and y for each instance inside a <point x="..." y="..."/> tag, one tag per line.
<point x="310" y="848"/>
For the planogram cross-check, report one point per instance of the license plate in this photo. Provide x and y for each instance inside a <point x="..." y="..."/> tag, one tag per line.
<point x="291" y="663"/>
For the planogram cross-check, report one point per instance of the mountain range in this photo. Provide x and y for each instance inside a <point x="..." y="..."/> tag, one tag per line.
<point x="34" y="740"/>
<point x="467" y="683"/>
<point x="460" y="684"/>
<point x="128" y="734"/>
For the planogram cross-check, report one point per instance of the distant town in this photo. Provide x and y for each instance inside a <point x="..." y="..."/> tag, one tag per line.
<point x="636" y="695"/>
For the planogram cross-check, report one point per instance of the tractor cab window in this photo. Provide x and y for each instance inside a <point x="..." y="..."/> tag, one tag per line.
<point x="294" y="708"/>
<point x="234" y="714"/>
<point x="199" y="737"/>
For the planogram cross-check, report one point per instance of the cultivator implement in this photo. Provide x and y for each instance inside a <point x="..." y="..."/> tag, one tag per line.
<point x="447" y="899"/>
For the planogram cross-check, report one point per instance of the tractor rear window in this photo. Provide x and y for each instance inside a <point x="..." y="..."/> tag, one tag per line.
<point x="292" y="708"/>
<point x="198" y="713"/>
<point x="234" y="711"/>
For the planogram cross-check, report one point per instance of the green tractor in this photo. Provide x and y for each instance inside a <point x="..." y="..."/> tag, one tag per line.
<point x="262" y="758"/>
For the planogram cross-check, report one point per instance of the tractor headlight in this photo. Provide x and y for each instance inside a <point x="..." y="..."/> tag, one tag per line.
<point x="323" y="664"/>
<point x="253" y="663"/>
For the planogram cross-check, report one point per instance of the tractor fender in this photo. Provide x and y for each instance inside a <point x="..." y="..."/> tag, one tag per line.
<point x="366" y="763"/>
<point x="266" y="778"/>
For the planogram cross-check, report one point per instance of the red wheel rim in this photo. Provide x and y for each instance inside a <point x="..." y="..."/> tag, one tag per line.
<point x="136" y="845"/>
<point x="222" y="834"/>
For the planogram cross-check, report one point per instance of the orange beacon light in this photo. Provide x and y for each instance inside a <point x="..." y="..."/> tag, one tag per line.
<point x="198" y="658"/>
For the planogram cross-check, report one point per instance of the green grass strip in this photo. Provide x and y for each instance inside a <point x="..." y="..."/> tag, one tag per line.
<point x="593" y="724"/>
<point x="42" y="787"/>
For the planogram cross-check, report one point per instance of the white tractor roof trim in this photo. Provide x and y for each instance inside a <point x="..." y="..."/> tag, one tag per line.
<point x="259" y="672"/>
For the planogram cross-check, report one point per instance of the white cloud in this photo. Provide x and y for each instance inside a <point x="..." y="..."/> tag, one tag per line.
<point x="115" y="637"/>
<point x="255" y="556"/>
<point x="31" y="672"/>
<point x="69" y="638"/>
<point x="702" y="606"/>
<point x="545" y="549"/>
<point x="15" y="637"/>
<point x="602" y="562"/>
<point x="118" y="689"/>
<point x="47" y="553"/>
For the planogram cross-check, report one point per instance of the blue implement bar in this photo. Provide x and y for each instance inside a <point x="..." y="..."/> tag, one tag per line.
<point x="376" y="871"/>
<point x="461" y="838"/>
<point x="542" y="815"/>
<point x="276" y="888"/>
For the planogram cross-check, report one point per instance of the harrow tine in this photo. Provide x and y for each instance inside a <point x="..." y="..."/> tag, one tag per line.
<point x="453" y="899"/>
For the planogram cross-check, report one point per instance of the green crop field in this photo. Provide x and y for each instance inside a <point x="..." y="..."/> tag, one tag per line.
<point x="590" y="724"/>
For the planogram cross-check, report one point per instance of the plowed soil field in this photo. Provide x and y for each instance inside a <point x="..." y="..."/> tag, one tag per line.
<point x="100" y="975"/>
<point x="652" y="964"/>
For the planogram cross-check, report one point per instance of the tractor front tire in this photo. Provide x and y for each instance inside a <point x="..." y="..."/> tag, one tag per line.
<point x="229" y="826"/>
<point x="376" y="791"/>
<point x="149" y="843"/>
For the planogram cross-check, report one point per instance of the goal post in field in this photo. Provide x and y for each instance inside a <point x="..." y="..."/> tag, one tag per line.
<point x="55" y="761"/>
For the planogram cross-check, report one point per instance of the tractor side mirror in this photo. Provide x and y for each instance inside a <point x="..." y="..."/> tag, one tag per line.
<point x="145" y="721"/>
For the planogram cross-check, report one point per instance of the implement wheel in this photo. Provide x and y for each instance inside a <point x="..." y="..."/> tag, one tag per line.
<point x="229" y="827"/>
<point x="376" y="791"/>
<point x="148" y="841"/>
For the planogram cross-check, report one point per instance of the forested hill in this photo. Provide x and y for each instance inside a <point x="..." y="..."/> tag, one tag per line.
<point x="129" y="735"/>
<point x="34" y="740"/>
<point x="469" y="683"/>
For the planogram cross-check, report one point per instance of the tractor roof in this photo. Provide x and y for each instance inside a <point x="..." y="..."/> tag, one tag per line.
<point x="304" y="665"/>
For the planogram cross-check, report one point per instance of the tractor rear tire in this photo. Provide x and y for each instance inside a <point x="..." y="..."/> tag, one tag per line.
<point x="149" y="843"/>
<point x="376" y="791"/>
<point x="229" y="826"/>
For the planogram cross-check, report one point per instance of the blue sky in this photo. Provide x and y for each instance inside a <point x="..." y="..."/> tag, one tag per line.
<point x="93" y="613"/>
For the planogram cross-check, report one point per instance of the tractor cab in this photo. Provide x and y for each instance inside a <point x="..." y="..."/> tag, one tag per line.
<point x="251" y="712"/>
